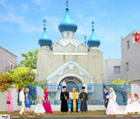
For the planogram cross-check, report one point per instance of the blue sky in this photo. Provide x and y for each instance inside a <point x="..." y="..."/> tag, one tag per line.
<point x="21" y="22"/>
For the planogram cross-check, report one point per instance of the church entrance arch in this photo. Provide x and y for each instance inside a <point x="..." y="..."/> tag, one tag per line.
<point x="72" y="82"/>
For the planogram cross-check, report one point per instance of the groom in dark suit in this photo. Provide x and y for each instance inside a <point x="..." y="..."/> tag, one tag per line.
<point x="105" y="99"/>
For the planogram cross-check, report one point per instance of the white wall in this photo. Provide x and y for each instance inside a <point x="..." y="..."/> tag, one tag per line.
<point x="131" y="55"/>
<point x="5" y="58"/>
<point x="108" y="72"/>
<point x="48" y="62"/>
<point x="3" y="105"/>
<point x="3" y="100"/>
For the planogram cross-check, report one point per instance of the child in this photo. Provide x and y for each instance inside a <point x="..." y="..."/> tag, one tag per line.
<point x="128" y="108"/>
<point x="39" y="108"/>
<point x="136" y="105"/>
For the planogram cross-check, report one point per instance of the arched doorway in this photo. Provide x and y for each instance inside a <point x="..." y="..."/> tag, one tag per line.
<point x="72" y="82"/>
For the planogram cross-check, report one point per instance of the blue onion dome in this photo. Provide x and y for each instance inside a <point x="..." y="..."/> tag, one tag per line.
<point x="93" y="41"/>
<point x="67" y="23"/>
<point x="45" y="39"/>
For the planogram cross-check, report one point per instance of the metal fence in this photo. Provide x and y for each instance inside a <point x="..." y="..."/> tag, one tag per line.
<point x="95" y="93"/>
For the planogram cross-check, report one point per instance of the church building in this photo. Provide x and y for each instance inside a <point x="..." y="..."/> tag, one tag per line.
<point x="68" y="61"/>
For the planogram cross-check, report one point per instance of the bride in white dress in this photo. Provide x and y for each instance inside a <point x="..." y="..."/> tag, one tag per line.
<point x="113" y="107"/>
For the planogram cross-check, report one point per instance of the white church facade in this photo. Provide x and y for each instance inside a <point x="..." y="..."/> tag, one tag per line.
<point x="68" y="60"/>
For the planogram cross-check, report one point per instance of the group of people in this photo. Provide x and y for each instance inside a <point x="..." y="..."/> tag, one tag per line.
<point x="24" y="99"/>
<point x="112" y="107"/>
<point x="64" y="96"/>
<point x="44" y="106"/>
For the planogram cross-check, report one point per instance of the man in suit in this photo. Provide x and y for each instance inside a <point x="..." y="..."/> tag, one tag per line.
<point x="105" y="99"/>
<point x="22" y="100"/>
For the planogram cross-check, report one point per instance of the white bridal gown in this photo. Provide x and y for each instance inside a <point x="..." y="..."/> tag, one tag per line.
<point x="113" y="107"/>
<point x="129" y="106"/>
<point x="135" y="106"/>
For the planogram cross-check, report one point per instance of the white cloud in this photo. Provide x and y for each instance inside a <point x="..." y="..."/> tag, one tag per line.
<point x="82" y="30"/>
<point x="43" y="4"/>
<point x="84" y="25"/>
<point x="25" y="7"/>
<point x="3" y="4"/>
<point x="11" y="18"/>
<point x="53" y="22"/>
<point x="107" y="35"/>
<point x="85" y="28"/>
<point x="37" y="1"/>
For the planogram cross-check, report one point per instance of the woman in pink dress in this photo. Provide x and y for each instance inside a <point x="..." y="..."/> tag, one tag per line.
<point x="46" y="103"/>
<point x="9" y="102"/>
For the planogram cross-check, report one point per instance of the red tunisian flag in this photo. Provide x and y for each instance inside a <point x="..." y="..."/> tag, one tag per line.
<point x="137" y="38"/>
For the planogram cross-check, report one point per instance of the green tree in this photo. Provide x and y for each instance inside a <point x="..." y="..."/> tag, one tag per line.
<point x="30" y="59"/>
<point x="122" y="88"/>
<point x="6" y="81"/>
<point x="18" y="77"/>
<point x="22" y="76"/>
<point x="120" y="82"/>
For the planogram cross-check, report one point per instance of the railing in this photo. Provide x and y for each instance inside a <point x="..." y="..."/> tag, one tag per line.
<point x="95" y="93"/>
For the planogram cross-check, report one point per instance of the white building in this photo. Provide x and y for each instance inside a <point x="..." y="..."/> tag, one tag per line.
<point x="68" y="61"/>
<point x="112" y="70"/>
<point x="131" y="61"/>
<point x="130" y="57"/>
<point x="8" y="60"/>
<point x="129" y="64"/>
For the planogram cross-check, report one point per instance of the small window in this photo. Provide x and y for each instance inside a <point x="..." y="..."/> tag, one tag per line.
<point x="117" y="69"/>
<point x="128" y="44"/>
<point x="11" y="65"/>
<point x="127" y="66"/>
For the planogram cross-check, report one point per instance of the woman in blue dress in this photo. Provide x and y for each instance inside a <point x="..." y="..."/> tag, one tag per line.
<point x="27" y="100"/>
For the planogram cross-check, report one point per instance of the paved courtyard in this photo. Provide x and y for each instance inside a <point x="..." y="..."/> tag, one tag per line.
<point x="69" y="115"/>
